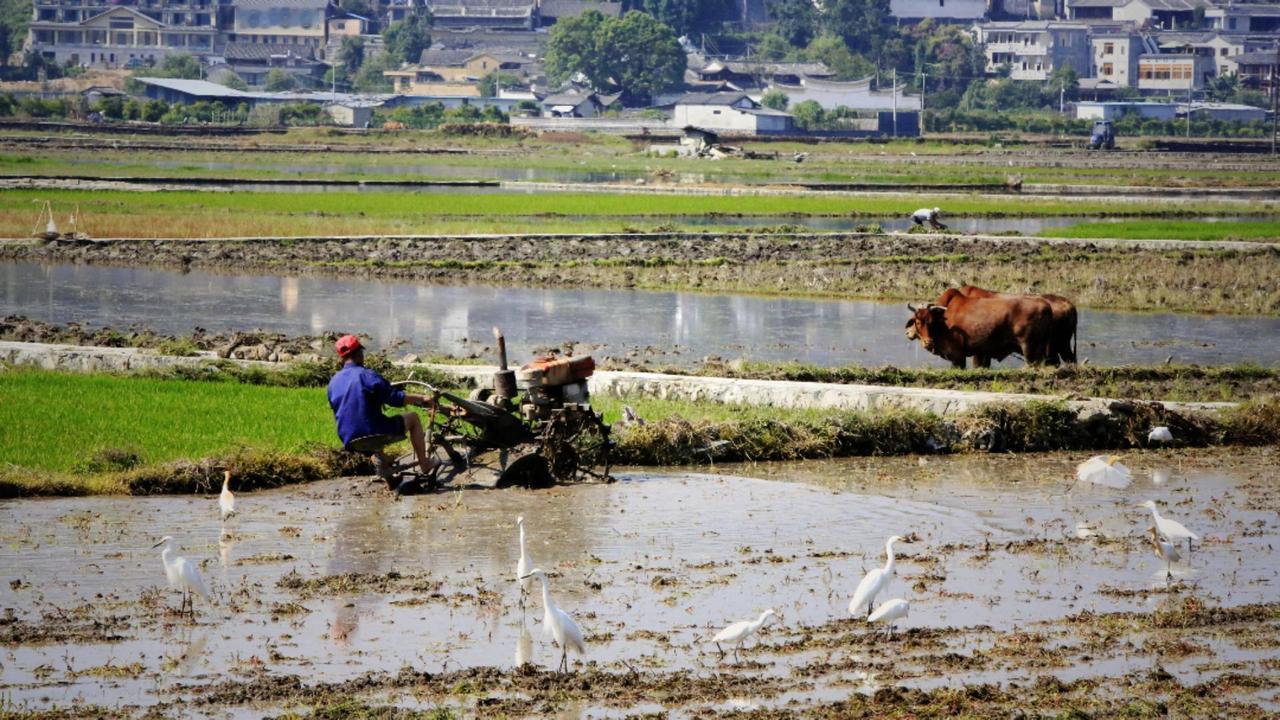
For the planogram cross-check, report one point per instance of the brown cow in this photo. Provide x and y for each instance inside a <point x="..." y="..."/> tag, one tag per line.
<point x="984" y="328"/>
<point x="1062" y="339"/>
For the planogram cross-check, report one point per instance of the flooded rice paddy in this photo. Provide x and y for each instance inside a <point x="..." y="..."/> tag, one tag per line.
<point x="1016" y="580"/>
<point x="677" y="328"/>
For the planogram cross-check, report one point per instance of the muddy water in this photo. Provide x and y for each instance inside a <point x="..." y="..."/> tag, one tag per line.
<point x="650" y="566"/>
<point x="669" y="327"/>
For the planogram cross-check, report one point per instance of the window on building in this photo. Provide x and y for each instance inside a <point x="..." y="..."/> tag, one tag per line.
<point x="1108" y="48"/>
<point x="1107" y="69"/>
<point x="1222" y="52"/>
<point x="1231" y="23"/>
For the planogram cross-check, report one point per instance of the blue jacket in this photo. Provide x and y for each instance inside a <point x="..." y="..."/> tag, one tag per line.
<point x="357" y="395"/>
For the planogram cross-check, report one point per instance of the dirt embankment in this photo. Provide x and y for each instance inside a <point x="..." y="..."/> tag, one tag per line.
<point x="909" y="267"/>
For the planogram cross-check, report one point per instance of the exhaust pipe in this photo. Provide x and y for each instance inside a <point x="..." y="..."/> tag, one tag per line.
<point x="504" y="381"/>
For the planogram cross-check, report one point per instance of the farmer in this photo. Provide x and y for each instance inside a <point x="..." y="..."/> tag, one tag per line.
<point x="929" y="215"/>
<point x="357" y="395"/>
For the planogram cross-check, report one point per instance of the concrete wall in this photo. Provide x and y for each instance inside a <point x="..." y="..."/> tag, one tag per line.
<point x="769" y="393"/>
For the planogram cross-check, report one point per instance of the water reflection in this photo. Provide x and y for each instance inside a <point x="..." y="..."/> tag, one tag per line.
<point x="666" y="327"/>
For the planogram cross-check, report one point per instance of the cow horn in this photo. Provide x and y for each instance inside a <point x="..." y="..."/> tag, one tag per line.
<point x="911" y="307"/>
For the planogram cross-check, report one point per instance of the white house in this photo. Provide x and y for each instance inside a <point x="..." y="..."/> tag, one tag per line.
<point x="855" y="94"/>
<point x="1114" y="110"/>
<point x="1033" y="49"/>
<point x="960" y="10"/>
<point x="729" y="112"/>
<point x="1115" y="57"/>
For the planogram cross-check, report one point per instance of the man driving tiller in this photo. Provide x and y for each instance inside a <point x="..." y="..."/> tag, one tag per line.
<point x="357" y="395"/>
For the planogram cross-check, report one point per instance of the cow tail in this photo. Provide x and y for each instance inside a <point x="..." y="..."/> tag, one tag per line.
<point x="1075" y="332"/>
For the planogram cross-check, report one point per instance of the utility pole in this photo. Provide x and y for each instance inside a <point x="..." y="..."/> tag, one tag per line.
<point x="1188" y="112"/>
<point x="1062" y="97"/>
<point x="895" y="102"/>
<point x="1275" y="98"/>
<point x="924" y="77"/>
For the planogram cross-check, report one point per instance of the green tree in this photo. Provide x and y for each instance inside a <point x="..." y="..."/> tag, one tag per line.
<point x="808" y="114"/>
<point x="775" y="99"/>
<point x="405" y="40"/>
<point x="369" y="78"/>
<point x="1222" y="88"/>
<point x="688" y="17"/>
<point x="356" y="7"/>
<point x="180" y="65"/>
<point x="227" y="76"/>
<point x="491" y="83"/>
<point x="642" y="56"/>
<point x="279" y="81"/>
<point x="864" y="25"/>
<point x="571" y="48"/>
<point x="351" y="54"/>
<point x="831" y="51"/>
<point x="797" y="20"/>
<point x="772" y="47"/>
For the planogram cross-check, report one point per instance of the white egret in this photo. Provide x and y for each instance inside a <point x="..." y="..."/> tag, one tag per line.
<point x="888" y="612"/>
<point x="182" y="573"/>
<point x="738" y="632"/>
<point x="1171" y="529"/>
<point x="874" y="581"/>
<point x="226" y="499"/>
<point x="1104" y="470"/>
<point x="563" y="629"/>
<point x="1160" y="434"/>
<point x="524" y="565"/>
<point x="1166" y="551"/>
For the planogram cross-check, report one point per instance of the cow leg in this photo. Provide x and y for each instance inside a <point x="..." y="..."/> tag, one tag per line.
<point x="959" y="363"/>
<point x="982" y="361"/>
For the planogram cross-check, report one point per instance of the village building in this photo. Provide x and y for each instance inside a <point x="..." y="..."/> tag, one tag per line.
<point x="730" y="112"/>
<point x="1034" y="49"/>
<point x="552" y="11"/>
<point x="93" y="33"/>
<point x="299" y="24"/>
<point x="1175" y="74"/>
<point x="1245" y="17"/>
<point x="855" y="95"/>
<point x="578" y="105"/>
<point x="453" y="73"/>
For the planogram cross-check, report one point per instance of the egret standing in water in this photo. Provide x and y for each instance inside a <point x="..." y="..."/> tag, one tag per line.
<point x="226" y="499"/>
<point x="1160" y="434"/>
<point x="1166" y="551"/>
<point x="524" y="565"/>
<point x="737" y="633"/>
<point x="888" y="612"/>
<point x="873" y="582"/>
<point x="1171" y="529"/>
<point x="182" y="573"/>
<point x="556" y="621"/>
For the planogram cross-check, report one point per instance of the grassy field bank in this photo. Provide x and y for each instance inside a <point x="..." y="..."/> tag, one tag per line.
<point x="197" y="214"/>
<point x="66" y="433"/>
<point x="579" y="156"/>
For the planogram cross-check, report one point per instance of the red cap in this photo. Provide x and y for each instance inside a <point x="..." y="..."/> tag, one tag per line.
<point x="347" y="344"/>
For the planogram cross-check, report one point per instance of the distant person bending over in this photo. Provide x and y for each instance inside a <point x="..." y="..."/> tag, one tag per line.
<point x="357" y="395"/>
<point x="929" y="215"/>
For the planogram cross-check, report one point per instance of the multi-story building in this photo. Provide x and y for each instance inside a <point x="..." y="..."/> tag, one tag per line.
<point x="1115" y="57"/>
<point x="296" y="23"/>
<point x="1173" y="74"/>
<point x="1034" y="49"/>
<point x="99" y="33"/>
<point x="1245" y="17"/>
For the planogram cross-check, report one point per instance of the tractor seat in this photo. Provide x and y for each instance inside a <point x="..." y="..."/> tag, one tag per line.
<point x="369" y="444"/>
